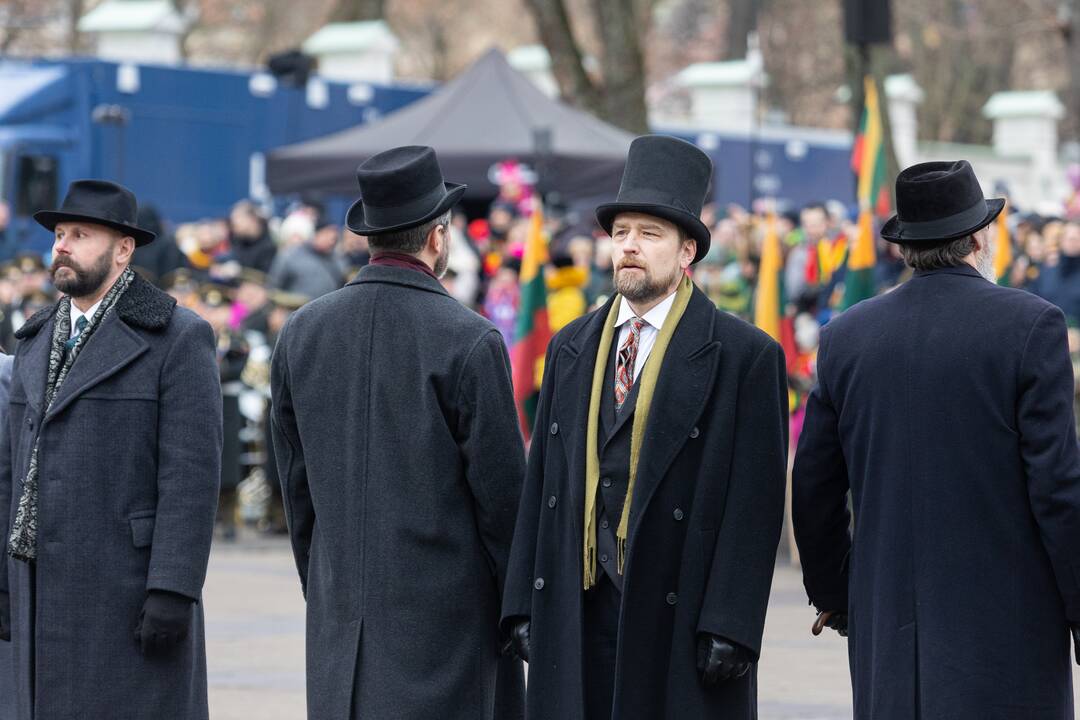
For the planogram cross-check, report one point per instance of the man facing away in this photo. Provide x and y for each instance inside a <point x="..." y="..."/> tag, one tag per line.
<point x="945" y="408"/>
<point x="401" y="465"/>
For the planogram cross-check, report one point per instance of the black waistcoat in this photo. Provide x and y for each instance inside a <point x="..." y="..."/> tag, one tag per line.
<point x="615" y="428"/>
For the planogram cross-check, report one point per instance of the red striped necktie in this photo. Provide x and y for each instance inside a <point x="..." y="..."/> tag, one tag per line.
<point x="624" y="363"/>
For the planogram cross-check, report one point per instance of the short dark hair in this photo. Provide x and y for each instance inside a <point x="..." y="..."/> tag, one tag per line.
<point x="944" y="255"/>
<point x="410" y="240"/>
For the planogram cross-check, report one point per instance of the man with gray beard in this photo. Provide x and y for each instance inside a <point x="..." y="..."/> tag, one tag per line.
<point x="645" y="540"/>
<point x="945" y="409"/>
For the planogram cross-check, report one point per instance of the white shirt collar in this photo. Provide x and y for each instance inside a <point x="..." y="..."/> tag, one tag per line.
<point x="76" y="313"/>
<point x="655" y="317"/>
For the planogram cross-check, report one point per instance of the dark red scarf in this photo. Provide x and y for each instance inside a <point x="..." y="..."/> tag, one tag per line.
<point x="402" y="260"/>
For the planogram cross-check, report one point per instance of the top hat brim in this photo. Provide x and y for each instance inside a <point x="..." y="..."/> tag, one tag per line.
<point x="690" y="223"/>
<point x="356" y="222"/>
<point x="895" y="232"/>
<point x="49" y="219"/>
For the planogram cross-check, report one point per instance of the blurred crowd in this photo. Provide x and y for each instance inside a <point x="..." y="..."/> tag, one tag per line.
<point x="246" y="273"/>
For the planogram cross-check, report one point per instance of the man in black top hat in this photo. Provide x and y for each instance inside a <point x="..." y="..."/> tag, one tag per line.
<point x="401" y="463"/>
<point x="945" y="409"/>
<point x="648" y="525"/>
<point x="108" y="480"/>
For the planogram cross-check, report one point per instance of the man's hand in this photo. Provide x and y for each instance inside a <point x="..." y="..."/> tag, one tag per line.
<point x="720" y="659"/>
<point x="163" y="623"/>
<point x="838" y="621"/>
<point x="519" y="638"/>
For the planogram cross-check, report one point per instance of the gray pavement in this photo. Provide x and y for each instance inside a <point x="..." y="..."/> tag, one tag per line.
<point x="255" y="642"/>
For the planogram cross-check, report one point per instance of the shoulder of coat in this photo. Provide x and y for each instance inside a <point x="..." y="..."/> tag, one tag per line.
<point x="35" y="322"/>
<point x="144" y="306"/>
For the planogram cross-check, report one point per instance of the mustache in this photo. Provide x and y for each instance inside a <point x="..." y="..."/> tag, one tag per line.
<point x="629" y="264"/>
<point x="63" y="261"/>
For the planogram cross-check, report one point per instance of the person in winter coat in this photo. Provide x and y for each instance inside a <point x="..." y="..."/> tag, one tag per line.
<point x="649" y="522"/>
<point x="401" y="464"/>
<point x="108" y="480"/>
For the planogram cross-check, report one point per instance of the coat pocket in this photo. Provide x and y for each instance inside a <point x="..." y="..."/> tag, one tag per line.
<point x="142" y="529"/>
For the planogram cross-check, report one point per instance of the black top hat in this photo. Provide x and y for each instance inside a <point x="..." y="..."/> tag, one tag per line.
<point x="937" y="202"/>
<point x="99" y="202"/>
<point x="400" y="189"/>
<point x="667" y="178"/>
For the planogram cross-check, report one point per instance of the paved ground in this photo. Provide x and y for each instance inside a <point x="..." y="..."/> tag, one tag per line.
<point x="255" y="639"/>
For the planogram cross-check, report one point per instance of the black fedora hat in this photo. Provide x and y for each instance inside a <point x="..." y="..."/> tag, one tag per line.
<point x="99" y="202"/>
<point x="667" y="178"/>
<point x="399" y="189"/>
<point x="937" y="202"/>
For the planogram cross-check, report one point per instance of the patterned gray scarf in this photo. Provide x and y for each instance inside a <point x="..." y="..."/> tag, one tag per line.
<point x="22" y="543"/>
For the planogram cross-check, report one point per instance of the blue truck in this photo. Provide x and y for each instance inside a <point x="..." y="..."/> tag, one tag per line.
<point x="187" y="140"/>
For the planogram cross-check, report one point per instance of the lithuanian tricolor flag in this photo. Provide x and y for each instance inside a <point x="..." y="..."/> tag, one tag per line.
<point x="531" y="333"/>
<point x="768" y="304"/>
<point x="1003" y="252"/>
<point x="868" y="161"/>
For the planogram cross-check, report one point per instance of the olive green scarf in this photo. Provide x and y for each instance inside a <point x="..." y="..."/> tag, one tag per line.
<point x="600" y="384"/>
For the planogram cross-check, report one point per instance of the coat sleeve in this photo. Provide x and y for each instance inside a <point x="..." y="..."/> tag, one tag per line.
<point x="737" y="590"/>
<point x="189" y="462"/>
<point x="491" y="448"/>
<point x="291" y="466"/>
<point x="819" y="507"/>
<point x="1049" y="449"/>
<point x="6" y="364"/>
<point x="517" y="598"/>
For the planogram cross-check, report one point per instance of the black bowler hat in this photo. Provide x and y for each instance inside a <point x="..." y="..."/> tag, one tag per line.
<point x="99" y="202"/>
<point x="937" y="202"/>
<point x="400" y="189"/>
<point x="667" y="178"/>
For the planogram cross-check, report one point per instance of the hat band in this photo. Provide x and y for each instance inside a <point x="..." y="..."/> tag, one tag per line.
<point x="95" y="213"/>
<point x="946" y="225"/>
<point x="386" y="216"/>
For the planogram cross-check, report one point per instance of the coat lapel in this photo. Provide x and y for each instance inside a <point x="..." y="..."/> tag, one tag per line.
<point x="111" y="348"/>
<point x="573" y="389"/>
<point x="686" y="379"/>
<point x="33" y="355"/>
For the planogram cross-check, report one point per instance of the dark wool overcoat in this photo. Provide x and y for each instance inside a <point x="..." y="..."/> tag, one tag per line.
<point x="707" y="509"/>
<point x="128" y="481"/>
<point x="946" y="407"/>
<point x="401" y="465"/>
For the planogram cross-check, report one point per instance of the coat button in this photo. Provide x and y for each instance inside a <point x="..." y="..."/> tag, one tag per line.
<point x="606" y="482"/>
<point x="554" y="428"/>
<point x="552" y="501"/>
<point x="678" y="514"/>
<point x="603" y="558"/>
<point x="539" y="583"/>
<point x="604" y="524"/>
<point x="672" y="598"/>
<point x="694" y="433"/>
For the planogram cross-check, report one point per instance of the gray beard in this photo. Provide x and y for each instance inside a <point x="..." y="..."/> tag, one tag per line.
<point x="984" y="263"/>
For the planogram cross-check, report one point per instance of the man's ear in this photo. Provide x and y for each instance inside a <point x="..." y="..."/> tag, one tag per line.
<point x="436" y="237"/>
<point x="126" y="249"/>
<point x="689" y="250"/>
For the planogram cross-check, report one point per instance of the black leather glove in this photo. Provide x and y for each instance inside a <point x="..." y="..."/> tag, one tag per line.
<point x="719" y="659"/>
<point x="1075" y="633"/>
<point x="519" y="638"/>
<point x="836" y="621"/>
<point x="163" y="623"/>
<point x="5" y="617"/>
